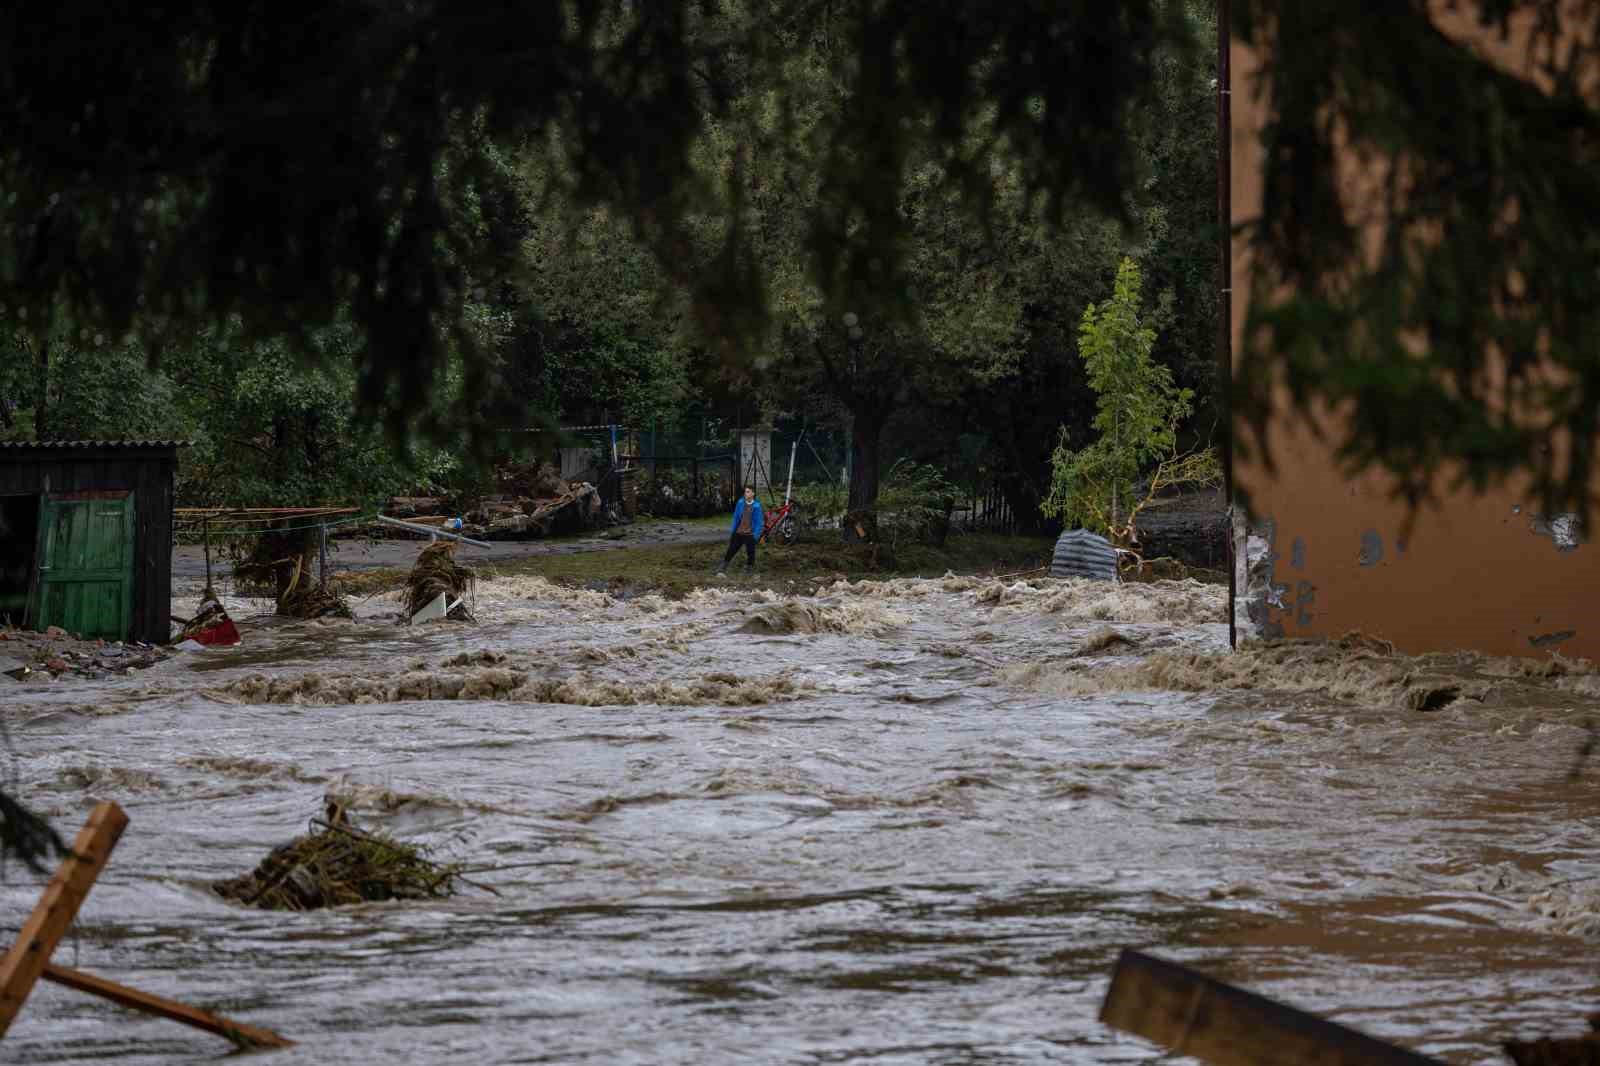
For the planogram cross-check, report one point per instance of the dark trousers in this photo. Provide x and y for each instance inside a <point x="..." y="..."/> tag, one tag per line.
<point x="749" y="542"/>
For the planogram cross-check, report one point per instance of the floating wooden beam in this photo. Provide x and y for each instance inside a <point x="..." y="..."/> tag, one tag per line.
<point x="25" y="962"/>
<point x="238" y="1032"/>
<point x="1193" y="1014"/>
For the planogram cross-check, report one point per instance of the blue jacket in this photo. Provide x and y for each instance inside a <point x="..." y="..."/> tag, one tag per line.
<point x="757" y="520"/>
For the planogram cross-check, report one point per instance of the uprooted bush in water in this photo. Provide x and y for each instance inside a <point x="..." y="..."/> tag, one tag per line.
<point x="339" y="864"/>
<point x="434" y="573"/>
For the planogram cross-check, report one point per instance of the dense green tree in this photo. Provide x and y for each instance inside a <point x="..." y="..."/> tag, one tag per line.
<point x="272" y="428"/>
<point x="292" y="163"/>
<point x="80" y="387"/>
<point x="1450" y="305"/>
<point x="1103" y="485"/>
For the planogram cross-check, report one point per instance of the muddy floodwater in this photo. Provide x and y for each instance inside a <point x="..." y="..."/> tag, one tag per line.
<point x="908" y="823"/>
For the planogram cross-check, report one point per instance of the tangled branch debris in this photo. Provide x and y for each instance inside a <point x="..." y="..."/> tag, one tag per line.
<point x="338" y="864"/>
<point x="436" y="571"/>
<point x="285" y="563"/>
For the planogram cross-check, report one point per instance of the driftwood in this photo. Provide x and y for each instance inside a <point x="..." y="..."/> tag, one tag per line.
<point x="29" y="958"/>
<point x="1192" y="1014"/>
<point x="573" y="510"/>
<point x="414" y="506"/>
<point x="23" y="965"/>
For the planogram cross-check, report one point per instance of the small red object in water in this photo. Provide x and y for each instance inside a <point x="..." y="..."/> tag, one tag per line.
<point x="223" y="634"/>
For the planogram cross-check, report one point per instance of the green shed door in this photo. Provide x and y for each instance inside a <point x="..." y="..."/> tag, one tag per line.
<point x="86" y="564"/>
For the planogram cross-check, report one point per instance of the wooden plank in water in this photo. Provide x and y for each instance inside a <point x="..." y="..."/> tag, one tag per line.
<point x="240" y="1033"/>
<point x="52" y="917"/>
<point x="1197" y="1015"/>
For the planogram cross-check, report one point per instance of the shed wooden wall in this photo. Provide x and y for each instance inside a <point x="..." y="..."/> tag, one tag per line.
<point x="148" y="474"/>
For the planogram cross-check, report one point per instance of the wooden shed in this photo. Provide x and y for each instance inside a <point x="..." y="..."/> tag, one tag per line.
<point x="86" y="536"/>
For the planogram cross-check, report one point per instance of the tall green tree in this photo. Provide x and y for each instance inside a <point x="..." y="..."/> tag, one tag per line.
<point x="1103" y="486"/>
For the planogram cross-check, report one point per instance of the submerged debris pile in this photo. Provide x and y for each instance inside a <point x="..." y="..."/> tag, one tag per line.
<point x="434" y="573"/>
<point x="313" y="601"/>
<point x="335" y="865"/>
<point x="283" y="561"/>
<point x="534" y="500"/>
<point x="32" y="657"/>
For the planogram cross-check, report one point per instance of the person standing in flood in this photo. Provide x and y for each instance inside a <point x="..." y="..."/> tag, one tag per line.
<point x="748" y="522"/>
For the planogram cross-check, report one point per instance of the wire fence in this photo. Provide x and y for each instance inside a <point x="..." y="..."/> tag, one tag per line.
<point x="680" y="486"/>
<point x="985" y="511"/>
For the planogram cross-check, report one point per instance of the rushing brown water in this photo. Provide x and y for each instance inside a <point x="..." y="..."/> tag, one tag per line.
<point x="907" y="823"/>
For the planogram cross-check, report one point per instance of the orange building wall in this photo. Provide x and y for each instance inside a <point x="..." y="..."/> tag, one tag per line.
<point x="1486" y="573"/>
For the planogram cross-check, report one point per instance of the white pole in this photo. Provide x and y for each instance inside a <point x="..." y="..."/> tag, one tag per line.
<point x="789" y="488"/>
<point x="431" y="531"/>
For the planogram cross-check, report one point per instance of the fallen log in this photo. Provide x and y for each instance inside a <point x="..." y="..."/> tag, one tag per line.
<point x="242" y="1035"/>
<point x="52" y="917"/>
<point x="410" y="506"/>
<point x="1192" y="1014"/>
<point x="29" y="958"/>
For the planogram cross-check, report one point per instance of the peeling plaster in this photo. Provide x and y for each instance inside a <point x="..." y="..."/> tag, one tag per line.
<point x="1259" y="592"/>
<point x="1297" y="553"/>
<point x="1565" y="530"/>
<point x="1549" y="639"/>
<point x="1305" y="594"/>
<point x="1371" y="548"/>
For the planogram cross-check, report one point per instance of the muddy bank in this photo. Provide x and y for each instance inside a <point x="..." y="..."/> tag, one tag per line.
<point x="356" y="555"/>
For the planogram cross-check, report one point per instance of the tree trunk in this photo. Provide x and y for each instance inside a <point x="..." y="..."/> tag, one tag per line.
<point x="860" y="516"/>
<point x="41" y="401"/>
<point x="865" y="437"/>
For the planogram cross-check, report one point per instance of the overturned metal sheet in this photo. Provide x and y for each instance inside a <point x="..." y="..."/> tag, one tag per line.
<point x="1080" y="553"/>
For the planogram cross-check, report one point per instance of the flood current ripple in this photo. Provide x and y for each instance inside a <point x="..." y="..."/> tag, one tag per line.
<point x="910" y="822"/>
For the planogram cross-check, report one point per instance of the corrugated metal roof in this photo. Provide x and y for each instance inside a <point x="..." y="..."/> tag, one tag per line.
<point x="102" y="444"/>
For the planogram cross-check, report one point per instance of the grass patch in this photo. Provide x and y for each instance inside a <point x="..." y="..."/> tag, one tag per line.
<point x="674" y="569"/>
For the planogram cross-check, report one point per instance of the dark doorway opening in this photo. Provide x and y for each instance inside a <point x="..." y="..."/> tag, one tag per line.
<point x="19" y="537"/>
